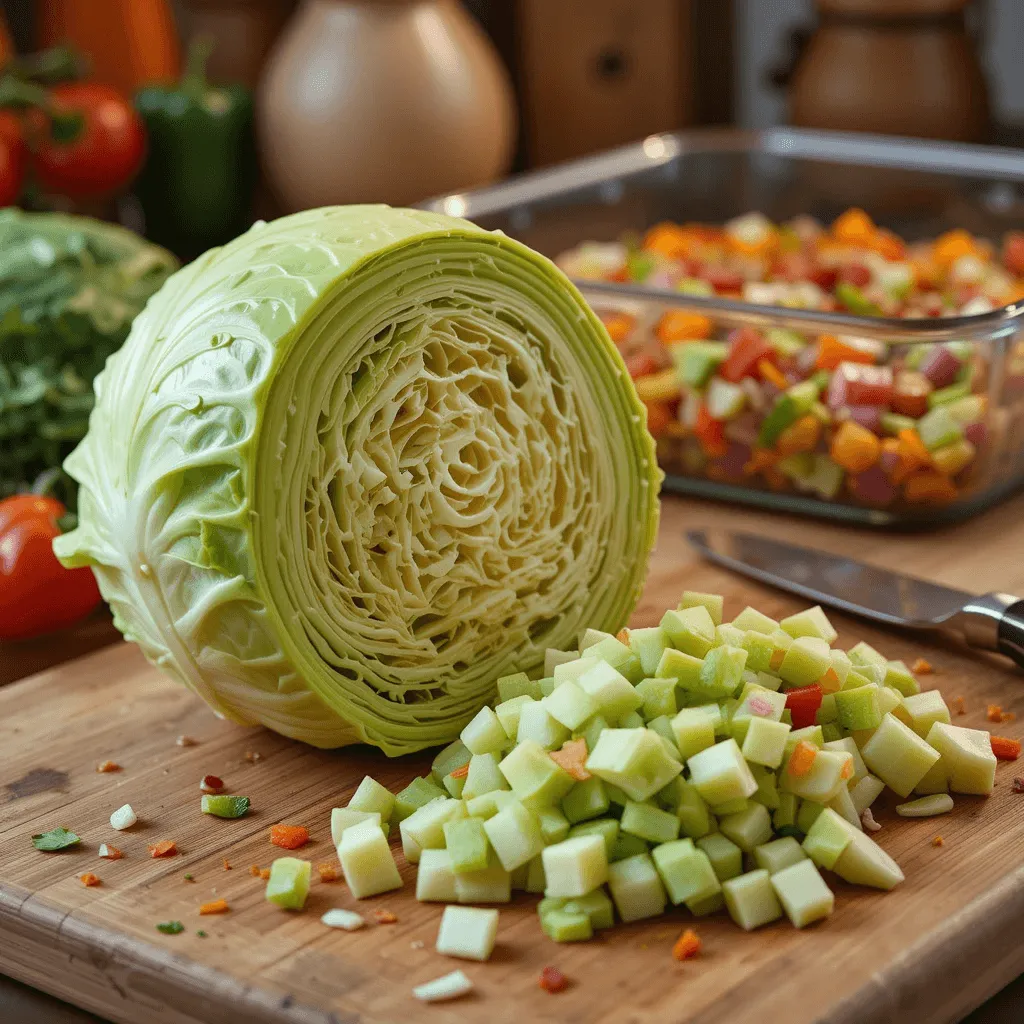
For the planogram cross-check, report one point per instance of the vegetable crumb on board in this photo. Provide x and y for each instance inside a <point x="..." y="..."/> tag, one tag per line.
<point x="923" y="667"/>
<point x="553" y="980"/>
<point x="994" y="713"/>
<point x="110" y="852"/>
<point x="211" y="784"/>
<point x="165" y="848"/>
<point x="186" y="741"/>
<point x="938" y="841"/>
<point x="89" y="879"/>
<point x="687" y="946"/>
<point x="289" y="837"/>
<point x="254" y="870"/>
<point x="201" y="934"/>
<point x="385" y="917"/>
<point x="124" y="817"/>
<point x="252" y="756"/>
<point x="327" y="872"/>
<point x="867" y="819"/>
<point x="265" y="873"/>
<point x="108" y="766"/>
<point x="417" y="944"/>
<point x="170" y="927"/>
<point x="1005" y="749"/>
<point x="1018" y="785"/>
<point x="214" y="907"/>
<point x="227" y="864"/>
<point x="347" y="920"/>
<point x="189" y="876"/>
<point x="958" y="706"/>
<point x="450" y="986"/>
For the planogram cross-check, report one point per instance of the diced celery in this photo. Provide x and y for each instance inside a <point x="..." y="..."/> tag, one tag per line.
<point x="632" y="720"/>
<point x="520" y="684"/>
<point x="426" y="825"/>
<point x="466" y="843"/>
<point x="713" y="602"/>
<point x="575" y="866"/>
<point x="823" y="779"/>
<point x="538" y="725"/>
<point x="807" y="814"/>
<point x="695" y="818"/>
<point x="367" y="861"/>
<point x="778" y="854"/>
<point x="535" y="880"/>
<point x="611" y="691"/>
<point x="827" y="838"/>
<point x="648" y="645"/>
<point x="435" y="878"/>
<point x="899" y="676"/>
<point x="694" y="731"/>
<point x="659" y="697"/>
<point x="484" y="733"/>
<point x="606" y="828"/>
<point x="627" y="846"/>
<point x="767" y="787"/>
<point x="684" y="669"/>
<point x="563" y="926"/>
<point x="924" y="709"/>
<point x="634" y="760"/>
<point x="649" y="822"/>
<point x="785" y="813"/>
<point x="508" y="712"/>
<point x="685" y="871"/>
<point x="866" y="792"/>
<point x="749" y="828"/>
<point x="535" y="779"/>
<point x="751" y="620"/>
<point x="967" y="756"/>
<point x="552" y="659"/>
<point x="926" y="806"/>
<point x="751" y="900"/>
<point x="585" y="800"/>
<point x="898" y="756"/>
<point x="722" y="671"/>
<point x="554" y="825"/>
<point x="810" y="622"/>
<point x="725" y="856"/>
<point x="858" y="708"/>
<point x="842" y="803"/>
<point x="696" y="361"/>
<point x="419" y="792"/>
<point x="636" y="888"/>
<point x="491" y="885"/>
<point x="864" y="862"/>
<point x="515" y="835"/>
<point x="803" y="893"/>
<point x="806" y="661"/>
<point x="288" y="885"/>
<point x="720" y="773"/>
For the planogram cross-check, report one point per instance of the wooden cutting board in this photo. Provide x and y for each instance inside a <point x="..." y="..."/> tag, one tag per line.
<point x="928" y="952"/>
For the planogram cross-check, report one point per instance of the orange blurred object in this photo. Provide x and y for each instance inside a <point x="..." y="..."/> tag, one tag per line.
<point x="129" y="43"/>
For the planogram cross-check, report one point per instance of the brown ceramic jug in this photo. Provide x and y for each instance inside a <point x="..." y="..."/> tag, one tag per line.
<point x="382" y="101"/>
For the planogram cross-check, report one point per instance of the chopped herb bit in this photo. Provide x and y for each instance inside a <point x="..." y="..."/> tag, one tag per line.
<point x="165" y="848"/>
<point x="189" y="877"/>
<point x="384" y="917"/>
<point x="687" y="946"/>
<point x="289" y="837"/>
<point x="225" y="806"/>
<point x="55" y="839"/>
<point x="108" y="766"/>
<point x="215" y="907"/>
<point x="170" y="927"/>
<point x="211" y="784"/>
<point x="201" y="934"/>
<point x="185" y="741"/>
<point x="89" y="879"/>
<point x="553" y="980"/>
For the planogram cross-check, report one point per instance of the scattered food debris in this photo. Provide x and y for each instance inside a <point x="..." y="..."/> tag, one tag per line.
<point x="110" y="852"/>
<point x="327" y="872"/>
<point x="89" y="879"/>
<point x="460" y="773"/>
<point x="265" y="874"/>
<point x="416" y="944"/>
<point x="254" y="870"/>
<point x="938" y="841"/>
<point x="451" y="986"/>
<point x="347" y="920"/>
<point x="622" y="636"/>
<point x="227" y="864"/>
<point x="211" y="784"/>
<point x="1005" y="749"/>
<point x="165" y="848"/>
<point x="124" y="817"/>
<point x="867" y="819"/>
<point x="994" y="713"/>
<point x="687" y="946"/>
<point x="384" y="917"/>
<point x="252" y="756"/>
<point x="55" y="839"/>
<point x="553" y="980"/>
<point x="224" y="806"/>
<point x="289" y="837"/>
<point x="170" y="927"/>
<point x="958" y="706"/>
<point x="108" y="766"/>
<point x="201" y="934"/>
<point x="186" y="741"/>
<point x="214" y="907"/>
<point x="922" y="666"/>
<point x="189" y="877"/>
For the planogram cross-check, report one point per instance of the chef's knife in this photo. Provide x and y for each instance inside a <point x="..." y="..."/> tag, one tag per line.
<point x="994" y="622"/>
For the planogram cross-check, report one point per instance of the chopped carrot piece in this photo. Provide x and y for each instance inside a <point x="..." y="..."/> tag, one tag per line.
<point x="771" y="373"/>
<point x="289" y="837"/>
<point x="958" y="705"/>
<point x="254" y="870"/>
<point x="929" y="488"/>
<point x="619" y="326"/>
<point x="832" y="352"/>
<point x="855" y="448"/>
<point x="687" y="946"/>
<point x="89" y="879"/>
<point x="108" y="852"/>
<point x="888" y="245"/>
<point x="165" y="848"/>
<point x="553" y="980"/>
<point x="327" y="872"/>
<point x="949" y="247"/>
<point x="938" y="841"/>
<point x="829" y="682"/>
<point x="847" y="770"/>
<point x="460" y="773"/>
<point x="922" y="667"/>
<point x="776" y="659"/>
<point x="854" y="226"/>
<point x="215" y="907"/>
<point x="914" y="447"/>
<point x="265" y="874"/>
<point x="710" y="433"/>
<point x="994" y="713"/>
<point x="622" y="636"/>
<point x="802" y="758"/>
<point x="572" y="758"/>
<point x="1009" y="716"/>
<point x="800" y="436"/>
<point x="227" y="865"/>
<point x="384" y="917"/>
<point x="681" y="325"/>
<point x="108" y="766"/>
<point x="1005" y="749"/>
<point x="761" y="459"/>
<point x="671" y="240"/>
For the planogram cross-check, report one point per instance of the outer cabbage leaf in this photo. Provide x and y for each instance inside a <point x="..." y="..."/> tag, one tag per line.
<point x="353" y="467"/>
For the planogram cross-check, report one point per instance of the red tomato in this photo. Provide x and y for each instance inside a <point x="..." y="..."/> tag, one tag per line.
<point x="37" y="594"/>
<point x="746" y="349"/>
<point x="12" y="158"/>
<point x="825" y="278"/>
<point x="640" y="364"/>
<point x="106" y="153"/>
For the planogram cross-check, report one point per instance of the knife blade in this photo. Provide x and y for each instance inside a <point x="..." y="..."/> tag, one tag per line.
<point x="992" y="621"/>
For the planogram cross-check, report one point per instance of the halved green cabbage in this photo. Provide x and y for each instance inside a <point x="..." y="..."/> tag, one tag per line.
<point x="353" y="467"/>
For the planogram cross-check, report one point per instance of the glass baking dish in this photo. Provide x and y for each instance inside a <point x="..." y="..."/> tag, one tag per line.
<point x="918" y="189"/>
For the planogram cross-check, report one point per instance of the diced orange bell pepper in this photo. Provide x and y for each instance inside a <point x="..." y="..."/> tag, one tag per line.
<point x="948" y="248"/>
<point x="929" y="487"/>
<point x="854" y="447"/>
<point x="683" y="325"/>
<point x="886" y="244"/>
<point x="1005" y="749"/>
<point x="710" y="433"/>
<point x="214" y="907"/>
<point x="914" y="447"/>
<point x="687" y="946"/>
<point x="905" y="462"/>
<point x="800" y="436"/>
<point x="670" y="240"/>
<point x="289" y="837"/>
<point x="761" y="459"/>
<point x="659" y="416"/>
<point x="640" y="364"/>
<point x="572" y="758"/>
<point x="802" y="759"/>
<point x="771" y="373"/>
<point x="854" y="227"/>
<point x="832" y="351"/>
<point x="1014" y="293"/>
<point x="619" y="326"/>
<point x="662" y="386"/>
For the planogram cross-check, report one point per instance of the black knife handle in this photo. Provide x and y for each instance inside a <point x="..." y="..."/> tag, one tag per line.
<point x="1011" y="633"/>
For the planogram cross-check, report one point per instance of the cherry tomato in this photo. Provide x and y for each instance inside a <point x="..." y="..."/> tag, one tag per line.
<point x="106" y="153"/>
<point x="12" y="158"/>
<point x="37" y="594"/>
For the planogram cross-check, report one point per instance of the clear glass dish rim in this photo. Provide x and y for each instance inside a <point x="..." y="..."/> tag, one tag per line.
<point x="995" y="162"/>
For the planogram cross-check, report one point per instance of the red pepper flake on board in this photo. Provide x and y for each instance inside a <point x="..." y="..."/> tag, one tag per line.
<point x="212" y="784"/>
<point x="1018" y="785"/>
<point x="107" y="766"/>
<point x="89" y="879"/>
<point x="385" y="917"/>
<point x="327" y="872"/>
<point x="289" y="837"/>
<point x="165" y="848"/>
<point x="553" y="980"/>
<point x="110" y="852"/>
<point x="922" y="667"/>
<point x="687" y="946"/>
<point x="958" y="706"/>
<point x="215" y="907"/>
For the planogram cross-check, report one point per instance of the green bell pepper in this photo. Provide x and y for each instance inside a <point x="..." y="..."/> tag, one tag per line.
<point x="196" y="186"/>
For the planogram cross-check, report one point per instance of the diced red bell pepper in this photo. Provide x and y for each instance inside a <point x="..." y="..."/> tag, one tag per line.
<point x="710" y="433"/>
<point x="723" y="280"/>
<point x="640" y="364"/>
<point x="746" y="349"/>
<point x="856" y="274"/>
<point x="857" y="384"/>
<point x="803" y="704"/>
<point x="824" y="277"/>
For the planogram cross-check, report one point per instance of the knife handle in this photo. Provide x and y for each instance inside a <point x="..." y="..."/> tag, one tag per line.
<point x="995" y="622"/>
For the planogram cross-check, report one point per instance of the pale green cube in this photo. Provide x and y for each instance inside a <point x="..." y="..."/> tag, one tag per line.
<point x="613" y="694"/>
<point x="467" y="932"/>
<point x="563" y="926"/>
<point x="419" y="792"/>
<point x="708" y="905"/>
<point x="466" y="843"/>
<point x="714" y="603"/>
<point x="842" y="803"/>
<point x="371" y="796"/>
<point x="435" y="877"/>
<point x="345" y="817"/>
<point x="759" y="648"/>
<point x="858" y="708"/>
<point x="805" y="662"/>
<point x="493" y="884"/>
<point x="864" y="862"/>
<point x="866" y="792"/>
<point x="748" y="828"/>
<point x="659" y="698"/>
<point x="489" y="804"/>
<point x="758" y="701"/>
<point x="590" y="637"/>
<point x="587" y="799"/>
<point x="808" y="814"/>
<point x="612" y="651"/>
<point x="732" y="806"/>
<point x="809" y="734"/>
<point x="720" y="773"/>
<point x="822" y="782"/>
<point x="484" y="776"/>
<point x="695" y="818"/>
<point x="898" y="756"/>
<point x="967" y="756"/>
<point x="840" y="669"/>
<point x="426" y="826"/>
<point x="535" y="880"/>
<point x="847" y="743"/>
<point x="634" y="760"/>
<point x="632" y="720"/>
<point x="751" y="620"/>
<point x="785" y="813"/>
<point x="455" y="755"/>
<point x="519" y="683"/>
<point x="649" y="822"/>
<point x="683" y="669"/>
<point x="411" y="849"/>
<point x="508" y="712"/>
<point x="606" y="828"/>
<point x="810" y="622"/>
<point x="546" y="688"/>
<point x="535" y="779"/>
<point x="484" y="734"/>
<point x="575" y="866"/>
<point x="728" y="634"/>
<point x="778" y="854"/>
<point x="366" y="860"/>
<point x="573" y="669"/>
<point x="636" y="888"/>
<point x="690" y="630"/>
<point x="725" y="856"/>
<point x="554" y="825"/>
<point x="925" y="709"/>
<point x="803" y="893"/>
<point x="455" y="784"/>
<point x="765" y="742"/>
<point x="685" y="871"/>
<point x="899" y="676"/>
<point x="288" y="884"/>
<point x="694" y="731"/>
<point x="864" y="654"/>
<point x="751" y="900"/>
<point x="767" y="786"/>
<point x="570" y="705"/>
<point x="627" y="846"/>
<point x="648" y="645"/>
<point x="827" y="838"/>
<point x="591" y="730"/>
<point x="663" y="727"/>
<point x="538" y="725"/>
<point x="552" y="659"/>
<point x="598" y="907"/>
<point x="936" y="780"/>
<point x="722" y="671"/>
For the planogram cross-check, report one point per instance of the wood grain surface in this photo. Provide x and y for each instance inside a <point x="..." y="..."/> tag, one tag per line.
<point x="928" y="952"/>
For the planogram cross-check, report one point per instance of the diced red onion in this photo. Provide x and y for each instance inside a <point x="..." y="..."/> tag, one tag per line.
<point x="869" y="416"/>
<point x="940" y="366"/>
<point x="873" y="487"/>
<point x="976" y="433"/>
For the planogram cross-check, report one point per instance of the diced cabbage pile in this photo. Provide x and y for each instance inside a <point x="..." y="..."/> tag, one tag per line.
<point x="695" y="763"/>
